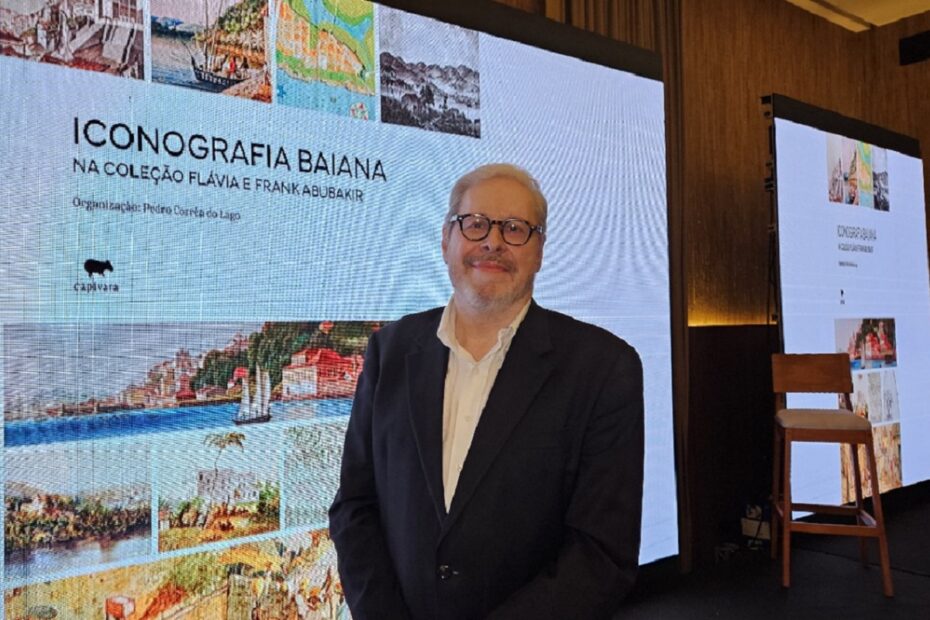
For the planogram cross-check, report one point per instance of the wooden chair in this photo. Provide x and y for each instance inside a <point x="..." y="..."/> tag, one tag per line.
<point x="822" y="373"/>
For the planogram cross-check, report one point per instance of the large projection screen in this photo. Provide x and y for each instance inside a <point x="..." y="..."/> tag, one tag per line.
<point x="208" y="207"/>
<point x="852" y="247"/>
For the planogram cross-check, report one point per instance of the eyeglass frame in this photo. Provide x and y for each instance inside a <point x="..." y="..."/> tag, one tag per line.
<point x="538" y="229"/>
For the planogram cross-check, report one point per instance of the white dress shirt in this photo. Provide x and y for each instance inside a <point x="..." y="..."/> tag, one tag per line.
<point x="468" y="383"/>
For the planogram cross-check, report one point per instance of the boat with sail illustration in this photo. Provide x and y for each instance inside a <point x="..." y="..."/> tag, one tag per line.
<point x="257" y="409"/>
<point x="215" y="69"/>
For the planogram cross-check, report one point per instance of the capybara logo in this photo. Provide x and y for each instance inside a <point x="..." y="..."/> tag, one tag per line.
<point x="96" y="267"/>
<point x="92" y="266"/>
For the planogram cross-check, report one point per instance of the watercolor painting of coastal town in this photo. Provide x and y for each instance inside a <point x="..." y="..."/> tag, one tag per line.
<point x="325" y="56"/>
<point x="81" y="34"/>
<point x="91" y="381"/>
<point x="75" y="505"/>
<point x="872" y="346"/>
<point x="857" y="173"/>
<point x="218" y="486"/>
<point x="429" y="74"/>
<point x="291" y="577"/>
<point x="212" y="45"/>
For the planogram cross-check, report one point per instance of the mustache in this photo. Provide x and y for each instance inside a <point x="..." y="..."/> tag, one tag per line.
<point x="490" y="257"/>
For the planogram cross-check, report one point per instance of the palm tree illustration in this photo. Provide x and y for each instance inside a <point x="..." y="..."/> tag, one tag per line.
<point x="221" y="441"/>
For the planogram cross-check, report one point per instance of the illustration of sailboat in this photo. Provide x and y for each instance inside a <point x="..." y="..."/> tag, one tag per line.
<point x="211" y="70"/>
<point x="257" y="409"/>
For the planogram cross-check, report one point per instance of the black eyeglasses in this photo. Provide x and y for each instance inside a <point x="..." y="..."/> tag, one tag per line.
<point x="514" y="231"/>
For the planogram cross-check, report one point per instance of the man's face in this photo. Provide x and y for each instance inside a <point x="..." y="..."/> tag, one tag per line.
<point x="491" y="275"/>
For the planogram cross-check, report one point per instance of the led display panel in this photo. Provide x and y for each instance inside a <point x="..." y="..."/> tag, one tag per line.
<point x="208" y="207"/>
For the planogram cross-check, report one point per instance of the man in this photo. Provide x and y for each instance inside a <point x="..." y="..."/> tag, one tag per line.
<point x="493" y="463"/>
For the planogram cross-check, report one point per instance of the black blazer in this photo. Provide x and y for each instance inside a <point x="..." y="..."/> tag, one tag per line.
<point x="545" y="521"/>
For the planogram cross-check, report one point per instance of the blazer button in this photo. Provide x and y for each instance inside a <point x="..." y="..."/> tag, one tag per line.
<point x="446" y="572"/>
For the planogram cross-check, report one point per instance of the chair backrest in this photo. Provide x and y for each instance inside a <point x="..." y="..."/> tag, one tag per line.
<point x="811" y="372"/>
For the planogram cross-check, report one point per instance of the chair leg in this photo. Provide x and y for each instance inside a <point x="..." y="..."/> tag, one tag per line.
<point x="786" y="513"/>
<point x="857" y="485"/>
<point x="887" y="586"/>
<point x="776" y="497"/>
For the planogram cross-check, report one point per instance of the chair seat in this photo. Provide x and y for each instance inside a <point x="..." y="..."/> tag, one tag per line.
<point x="825" y="419"/>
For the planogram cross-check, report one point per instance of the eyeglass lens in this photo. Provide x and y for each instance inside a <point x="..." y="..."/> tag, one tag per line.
<point x="477" y="227"/>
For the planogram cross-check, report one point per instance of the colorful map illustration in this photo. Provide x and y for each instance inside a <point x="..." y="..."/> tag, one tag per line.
<point x="326" y="56"/>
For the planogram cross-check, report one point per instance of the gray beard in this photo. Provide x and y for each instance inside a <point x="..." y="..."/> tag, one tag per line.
<point x="492" y="303"/>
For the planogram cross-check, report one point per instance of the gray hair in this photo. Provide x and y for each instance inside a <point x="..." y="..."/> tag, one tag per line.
<point x="493" y="171"/>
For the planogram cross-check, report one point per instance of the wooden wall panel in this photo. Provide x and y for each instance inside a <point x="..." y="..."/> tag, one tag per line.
<point x="731" y="59"/>
<point x="901" y="95"/>
<point x="530" y="6"/>
<point x="631" y="21"/>
<point x="730" y="440"/>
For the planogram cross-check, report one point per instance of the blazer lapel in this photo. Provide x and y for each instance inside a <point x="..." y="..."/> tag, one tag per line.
<point x="526" y="368"/>
<point x="426" y="378"/>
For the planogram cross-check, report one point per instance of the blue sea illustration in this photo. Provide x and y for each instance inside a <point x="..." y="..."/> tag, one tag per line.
<point x="321" y="96"/>
<point x="141" y="421"/>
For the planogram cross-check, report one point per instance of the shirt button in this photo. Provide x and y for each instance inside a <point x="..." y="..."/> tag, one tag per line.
<point x="446" y="572"/>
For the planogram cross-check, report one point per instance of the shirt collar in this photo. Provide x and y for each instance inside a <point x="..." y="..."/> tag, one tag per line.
<point x="446" y="332"/>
